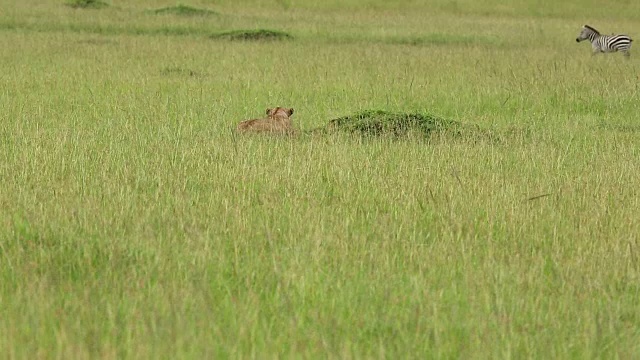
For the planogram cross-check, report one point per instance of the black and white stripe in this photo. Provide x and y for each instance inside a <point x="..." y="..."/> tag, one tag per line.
<point x="605" y="43"/>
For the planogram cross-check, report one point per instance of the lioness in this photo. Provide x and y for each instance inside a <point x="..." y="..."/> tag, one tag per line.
<point x="278" y="120"/>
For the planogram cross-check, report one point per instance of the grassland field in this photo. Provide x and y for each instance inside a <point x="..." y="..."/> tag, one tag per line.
<point x="135" y="224"/>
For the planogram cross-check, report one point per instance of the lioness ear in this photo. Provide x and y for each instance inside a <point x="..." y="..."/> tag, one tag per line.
<point x="269" y="111"/>
<point x="290" y="111"/>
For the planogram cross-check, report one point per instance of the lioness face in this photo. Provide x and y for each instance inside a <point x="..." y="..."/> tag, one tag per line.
<point x="280" y="111"/>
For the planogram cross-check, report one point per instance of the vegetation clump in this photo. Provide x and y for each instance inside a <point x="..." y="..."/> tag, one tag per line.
<point x="184" y="10"/>
<point x="380" y="122"/>
<point x="437" y="39"/>
<point x="178" y="71"/>
<point x="253" y="35"/>
<point x="86" y="4"/>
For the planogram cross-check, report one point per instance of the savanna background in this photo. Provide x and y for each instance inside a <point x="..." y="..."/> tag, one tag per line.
<point x="134" y="223"/>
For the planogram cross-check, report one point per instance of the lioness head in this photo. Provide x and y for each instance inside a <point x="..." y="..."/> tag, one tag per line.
<point x="280" y="111"/>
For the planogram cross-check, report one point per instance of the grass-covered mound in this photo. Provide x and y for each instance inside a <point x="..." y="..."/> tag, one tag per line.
<point x="438" y="39"/>
<point x="380" y="122"/>
<point x="253" y="35"/>
<point x="86" y="4"/>
<point x="178" y="71"/>
<point x="184" y="10"/>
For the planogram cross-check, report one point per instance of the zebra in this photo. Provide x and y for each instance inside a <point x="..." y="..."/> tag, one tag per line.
<point x="605" y="43"/>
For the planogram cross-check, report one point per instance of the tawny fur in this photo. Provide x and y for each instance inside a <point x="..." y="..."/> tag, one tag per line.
<point x="278" y="121"/>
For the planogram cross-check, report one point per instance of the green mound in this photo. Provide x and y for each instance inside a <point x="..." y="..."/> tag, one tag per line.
<point x="253" y="35"/>
<point x="379" y="122"/>
<point x="96" y="42"/>
<point x="178" y="71"/>
<point x="184" y="10"/>
<point x="444" y="39"/>
<point x="86" y="4"/>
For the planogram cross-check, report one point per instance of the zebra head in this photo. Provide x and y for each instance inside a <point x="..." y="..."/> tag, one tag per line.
<point x="587" y="33"/>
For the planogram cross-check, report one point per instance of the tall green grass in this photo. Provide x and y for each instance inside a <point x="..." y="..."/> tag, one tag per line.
<point x="136" y="224"/>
